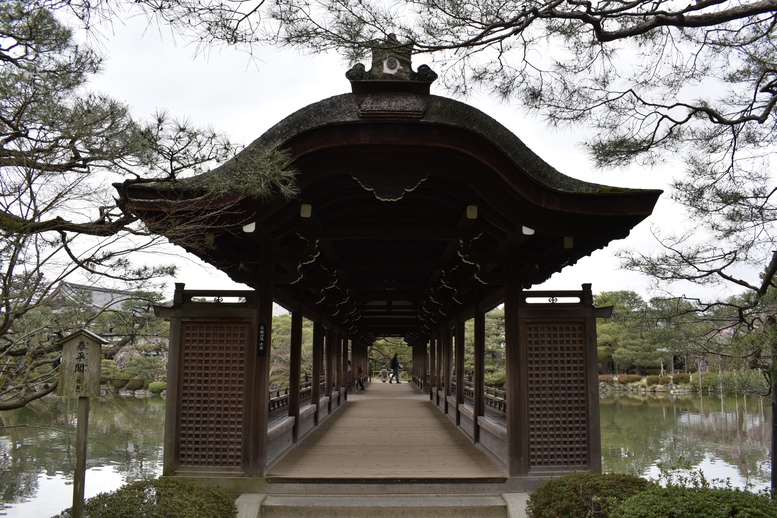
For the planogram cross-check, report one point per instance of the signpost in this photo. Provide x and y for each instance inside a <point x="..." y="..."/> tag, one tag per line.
<point x="79" y="376"/>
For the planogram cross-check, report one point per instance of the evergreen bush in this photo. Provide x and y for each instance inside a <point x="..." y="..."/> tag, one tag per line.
<point x="133" y="385"/>
<point x="160" y="498"/>
<point x="651" y="381"/>
<point x="118" y="383"/>
<point x="625" y="379"/>
<point x="571" y="495"/>
<point x="157" y="387"/>
<point x="745" y="381"/>
<point x="681" y="379"/>
<point x="695" y="502"/>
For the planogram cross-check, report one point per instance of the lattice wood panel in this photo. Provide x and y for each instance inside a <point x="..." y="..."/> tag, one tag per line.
<point x="558" y="407"/>
<point x="212" y="394"/>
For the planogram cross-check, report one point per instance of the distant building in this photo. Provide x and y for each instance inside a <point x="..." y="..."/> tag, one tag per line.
<point x="98" y="298"/>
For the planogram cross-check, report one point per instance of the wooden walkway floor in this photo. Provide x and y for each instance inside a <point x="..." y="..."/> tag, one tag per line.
<point x="387" y="432"/>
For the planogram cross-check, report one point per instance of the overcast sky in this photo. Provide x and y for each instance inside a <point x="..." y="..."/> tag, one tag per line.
<point x="151" y="69"/>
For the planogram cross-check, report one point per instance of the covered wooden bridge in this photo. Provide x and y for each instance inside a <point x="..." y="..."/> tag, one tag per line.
<point x="413" y="214"/>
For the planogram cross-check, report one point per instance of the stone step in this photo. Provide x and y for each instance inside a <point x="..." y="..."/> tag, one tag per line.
<point x="374" y="506"/>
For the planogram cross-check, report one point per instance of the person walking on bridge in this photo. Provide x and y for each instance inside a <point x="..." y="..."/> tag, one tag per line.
<point x="394" y="365"/>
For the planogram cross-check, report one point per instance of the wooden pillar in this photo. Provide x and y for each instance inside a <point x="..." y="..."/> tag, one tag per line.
<point x="295" y="369"/>
<point x="331" y="365"/>
<point x="337" y="366"/>
<point x="459" y="330"/>
<point x="427" y="372"/>
<point x="440" y="363"/>
<point x="592" y="376"/>
<point x="517" y="393"/>
<point x="318" y="358"/>
<point x="480" y="371"/>
<point x="433" y="382"/>
<point x="258" y="441"/>
<point x="418" y="364"/>
<point x="344" y="367"/>
<point x="447" y="355"/>
<point x="172" y="399"/>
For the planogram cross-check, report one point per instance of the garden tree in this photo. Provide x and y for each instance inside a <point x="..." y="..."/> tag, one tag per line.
<point x="281" y="350"/>
<point x="676" y="332"/>
<point x="622" y="338"/>
<point x="383" y="350"/>
<point x="494" y="358"/>
<point x="695" y="79"/>
<point x="61" y="147"/>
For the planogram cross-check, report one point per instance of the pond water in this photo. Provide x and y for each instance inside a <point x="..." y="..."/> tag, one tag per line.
<point x="37" y="451"/>
<point x="726" y="438"/>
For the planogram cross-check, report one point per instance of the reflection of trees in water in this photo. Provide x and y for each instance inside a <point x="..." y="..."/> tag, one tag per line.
<point x="124" y="432"/>
<point x="639" y="432"/>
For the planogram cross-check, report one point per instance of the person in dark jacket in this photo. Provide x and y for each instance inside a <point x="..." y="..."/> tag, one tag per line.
<point x="394" y="365"/>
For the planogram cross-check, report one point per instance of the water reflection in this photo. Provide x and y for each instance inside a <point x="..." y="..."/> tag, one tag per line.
<point x="728" y="438"/>
<point x="37" y="448"/>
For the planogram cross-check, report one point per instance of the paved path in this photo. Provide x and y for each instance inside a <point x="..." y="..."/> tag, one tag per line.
<point x="388" y="431"/>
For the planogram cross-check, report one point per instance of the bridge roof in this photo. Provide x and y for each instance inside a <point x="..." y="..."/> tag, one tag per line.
<point x="409" y="208"/>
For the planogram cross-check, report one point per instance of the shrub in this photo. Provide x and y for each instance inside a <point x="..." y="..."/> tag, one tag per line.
<point x="118" y="383"/>
<point x="657" y="380"/>
<point x="745" y="381"/>
<point x="606" y="378"/>
<point x="682" y="379"/>
<point x="625" y="379"/>
<point x="157" y="387"/>
<point x="571" y="495"/>
<point x="695" y="502"/>
<point x="160" y="498"/>
<point x="134" y="385"/>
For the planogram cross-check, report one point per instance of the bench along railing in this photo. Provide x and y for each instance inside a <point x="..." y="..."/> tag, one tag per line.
<point x="280" y="398"/>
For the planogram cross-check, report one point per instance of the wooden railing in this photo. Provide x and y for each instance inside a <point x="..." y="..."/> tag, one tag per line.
<point x="494" y="398"/>
<point x="280" y="398"/>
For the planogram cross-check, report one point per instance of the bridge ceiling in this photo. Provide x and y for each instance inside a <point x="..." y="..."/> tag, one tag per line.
<point x="403" y="220"/>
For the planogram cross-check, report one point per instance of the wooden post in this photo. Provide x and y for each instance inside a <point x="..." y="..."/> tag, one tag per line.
<point x="295" y="369"/>
<point x="447" y="355"/>
<point x="331" y="338"/>
<point x="170" y="456"/>
<point x="432" y="365"/>
<point x="79" y="476"/>
<point x="459" y="369"/>
<point x="517" y="404"/>
<point x="592" y="384"/>
<point x="79" y="376"/>
<point x="344" y="368"/>
<point x="318" y="356"/>
<point x="480" y="370"/>
<point x="259" y="386"/>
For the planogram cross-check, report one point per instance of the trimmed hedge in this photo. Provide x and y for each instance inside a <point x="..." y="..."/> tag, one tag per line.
<point x="682" y="379"/>
<point x="695" y="502"/>
<point x="571" y="495"/>
<point x="160" y="498"/>
<point x="625" y="379"/>
<point x="651" y="381"/>
<point x="119" y="383"/>
<point x="133" y="385"/>
<point x="157" y="387"/>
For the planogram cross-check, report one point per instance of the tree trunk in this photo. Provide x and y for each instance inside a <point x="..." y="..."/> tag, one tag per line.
<point x="771" y="324"/>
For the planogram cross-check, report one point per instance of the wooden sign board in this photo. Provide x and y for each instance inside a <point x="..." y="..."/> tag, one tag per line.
<point x="79" y="372"/>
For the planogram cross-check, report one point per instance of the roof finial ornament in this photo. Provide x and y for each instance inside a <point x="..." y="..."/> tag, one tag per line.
<point x="391" y="61"/>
